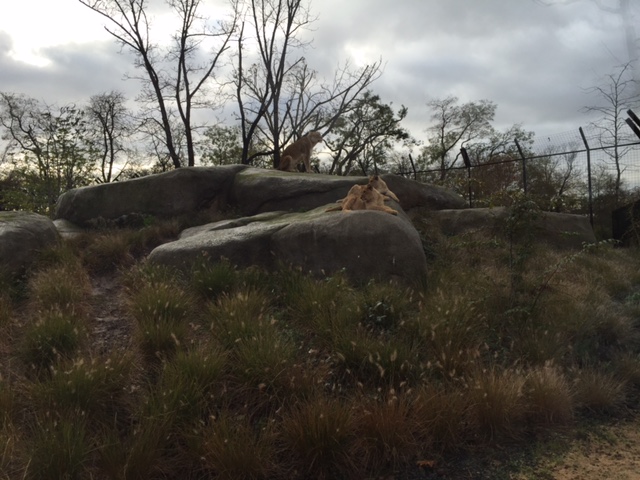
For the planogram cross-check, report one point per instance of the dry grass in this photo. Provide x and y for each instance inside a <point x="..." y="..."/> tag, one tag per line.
<point x="252" y="374"/>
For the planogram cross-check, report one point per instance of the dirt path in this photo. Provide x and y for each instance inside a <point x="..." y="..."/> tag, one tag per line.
<point x="614" y="454"/>
<point x="112" y="327"/>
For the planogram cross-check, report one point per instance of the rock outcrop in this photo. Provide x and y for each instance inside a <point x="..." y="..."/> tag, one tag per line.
<point x="22" y="236"/>
<point x="363" y="244"/>
<point x="178" y="192"/>
<point x="284" y="220"/>
<point x="246" y="189"/>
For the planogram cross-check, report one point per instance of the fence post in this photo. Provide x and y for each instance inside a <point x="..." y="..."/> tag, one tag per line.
<point x="413" y="166"/>
<point x="586" y="144"/>
<point x="467" y="163"/>
<point x="524" y="166"/>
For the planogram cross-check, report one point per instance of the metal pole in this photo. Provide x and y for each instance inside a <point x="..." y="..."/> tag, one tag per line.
<point x="413" y="166"/>
<point x="586" y="145"/>
<point x="524" y="166"/>
<point x="467" y="163"/>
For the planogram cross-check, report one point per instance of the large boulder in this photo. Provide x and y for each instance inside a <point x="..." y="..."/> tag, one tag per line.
<point x="363" y="244"/>
<point x="22" y="236"/>
<point x="561" y="230"/>
<point x="258" y="190"/>
<point x="178" y="192"/>
<point x="248" y="190"/>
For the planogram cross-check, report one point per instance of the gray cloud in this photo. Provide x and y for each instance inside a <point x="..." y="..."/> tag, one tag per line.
<point x="533" y="61"/>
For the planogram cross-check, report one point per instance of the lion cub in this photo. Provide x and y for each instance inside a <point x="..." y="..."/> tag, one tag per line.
<point x="299" y="152"/>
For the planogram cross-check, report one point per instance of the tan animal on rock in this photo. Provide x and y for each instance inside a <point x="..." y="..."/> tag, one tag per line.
<point x="363" y="197"/>
<point x="352" y="201"/>
<point x="354" y="195"/>
<point x="380" y="185"/>
<point x="299" y="152"/>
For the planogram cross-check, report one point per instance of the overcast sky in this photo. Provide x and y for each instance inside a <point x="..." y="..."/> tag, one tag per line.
<point x="534" y="61"/>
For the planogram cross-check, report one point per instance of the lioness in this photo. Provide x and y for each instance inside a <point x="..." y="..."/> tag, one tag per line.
<point x="299" y="152"/>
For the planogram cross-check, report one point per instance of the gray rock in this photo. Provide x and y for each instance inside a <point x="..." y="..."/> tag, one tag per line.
<point x="67" y="229"/>
<point x="364" y="244"/>
<point x="178" y="192"/>
<point x="22" y="236"/>
<point x="561" y="230"/>
<point x="258" y="190"/>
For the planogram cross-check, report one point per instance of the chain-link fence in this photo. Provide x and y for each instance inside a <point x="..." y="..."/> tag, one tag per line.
<point x="579" y="172"/>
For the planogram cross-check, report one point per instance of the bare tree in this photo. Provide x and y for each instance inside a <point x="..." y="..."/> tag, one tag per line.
<point x="279" y="97"/>
<point x="180" y="88"/>
<point x="619" y="93"/>
<point x="111" y="126"/>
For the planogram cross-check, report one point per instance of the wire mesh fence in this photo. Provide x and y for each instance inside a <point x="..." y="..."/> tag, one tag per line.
<point x="582" y="172"/>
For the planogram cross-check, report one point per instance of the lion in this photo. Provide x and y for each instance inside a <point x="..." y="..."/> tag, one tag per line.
<point x="363" y="197"/>
<point x="354" y="195"/>
<point x="299" y="152"/>
<point x="352" y="201"/>
<point x="380" y="185"/>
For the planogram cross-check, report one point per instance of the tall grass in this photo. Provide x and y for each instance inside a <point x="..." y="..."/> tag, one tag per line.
<point x="243" y="373"/>
<point x="162" y="312"/>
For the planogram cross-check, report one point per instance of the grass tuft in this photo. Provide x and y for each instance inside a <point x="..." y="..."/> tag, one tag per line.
<point x="320" y="435"/>
<point x="54" y="336"/>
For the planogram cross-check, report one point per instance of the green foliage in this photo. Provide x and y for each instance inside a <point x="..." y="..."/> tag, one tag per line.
<point x="222" y="145"/>
<point x="48" y="151"/>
